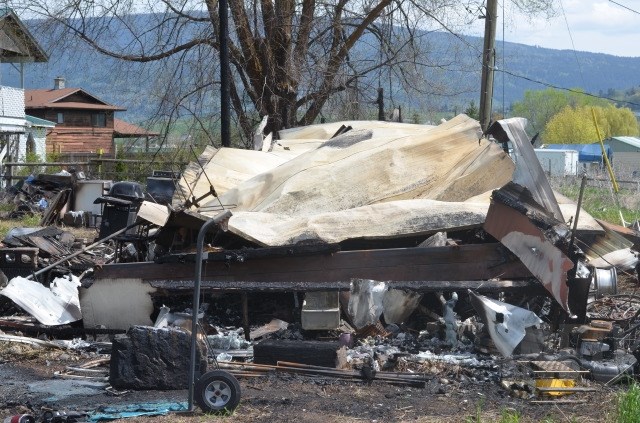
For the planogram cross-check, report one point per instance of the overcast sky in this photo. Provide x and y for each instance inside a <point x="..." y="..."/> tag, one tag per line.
<point x="596" y="25"/>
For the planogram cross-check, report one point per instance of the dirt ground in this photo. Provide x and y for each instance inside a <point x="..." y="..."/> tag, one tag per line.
<point x="28" y="385"/>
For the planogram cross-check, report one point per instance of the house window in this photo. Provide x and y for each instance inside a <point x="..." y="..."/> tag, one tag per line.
<point x="99" y="119"/>
<point x="60" y="118"/>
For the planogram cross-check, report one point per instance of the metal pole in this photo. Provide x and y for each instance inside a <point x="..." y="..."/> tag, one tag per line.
<point x="196" y="298"/>
<point x="380" y="102"/>
<point x="575" y="220"/>
<point x="245" y="316"/>
<point x="225" y="96"/>
<point x="488" y="63"/>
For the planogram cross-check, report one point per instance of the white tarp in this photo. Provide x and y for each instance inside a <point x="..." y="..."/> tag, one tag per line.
<point x="57" y="305"/>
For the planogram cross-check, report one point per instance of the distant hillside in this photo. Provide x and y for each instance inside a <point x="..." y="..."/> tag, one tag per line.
<point x="602" y="73"/>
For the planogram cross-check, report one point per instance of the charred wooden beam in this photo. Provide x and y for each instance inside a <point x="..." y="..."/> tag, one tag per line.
<point x="419" y="266"/>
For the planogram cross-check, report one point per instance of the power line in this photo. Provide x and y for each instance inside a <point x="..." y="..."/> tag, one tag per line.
<point x="623" y="6"/>
<point x="546" y="84"/>
<point x="575" y="53"/>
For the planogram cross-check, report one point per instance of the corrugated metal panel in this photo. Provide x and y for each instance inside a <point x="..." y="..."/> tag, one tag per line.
<point x="529" y="172"/>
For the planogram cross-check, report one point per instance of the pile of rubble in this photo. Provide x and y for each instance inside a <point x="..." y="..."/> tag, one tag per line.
<point x="360" y="250"/>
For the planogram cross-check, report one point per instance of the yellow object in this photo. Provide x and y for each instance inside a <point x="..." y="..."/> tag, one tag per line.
<point x="555" y="383"/>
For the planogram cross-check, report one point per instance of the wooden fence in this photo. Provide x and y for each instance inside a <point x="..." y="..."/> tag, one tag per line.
<point x="93" y="168"/>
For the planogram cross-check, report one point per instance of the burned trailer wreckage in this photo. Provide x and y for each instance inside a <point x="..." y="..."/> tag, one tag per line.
<point x="424" y="210"/>
<point x="361" y="251"/>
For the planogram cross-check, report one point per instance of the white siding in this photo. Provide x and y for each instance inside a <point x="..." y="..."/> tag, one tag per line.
<point x="12" y="102"/>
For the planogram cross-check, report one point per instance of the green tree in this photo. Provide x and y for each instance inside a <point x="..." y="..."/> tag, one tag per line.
<point x="472" y="111"/>
<point x="539" y="106"/>
<point x="574" y="125"/>
<point x="288" y="58"/>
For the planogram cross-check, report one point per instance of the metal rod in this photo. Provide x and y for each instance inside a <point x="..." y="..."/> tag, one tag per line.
<point x="196" y="298"/>
<point x="77" y="253"/>
<point x="583" y="183"/>
<point x="245" y="316"/>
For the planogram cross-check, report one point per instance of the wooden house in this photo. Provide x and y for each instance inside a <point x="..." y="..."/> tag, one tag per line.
<point x="85" y="124"/>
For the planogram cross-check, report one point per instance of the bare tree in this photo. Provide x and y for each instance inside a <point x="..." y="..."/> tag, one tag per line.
<point x="289" y="58"/>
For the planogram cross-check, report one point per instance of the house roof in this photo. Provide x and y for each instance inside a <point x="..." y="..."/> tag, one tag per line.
<point x="34" y="121"/>
<point x="632" y="141"/>
<point x="122" y="129"/>
<point x="17" y="45"/>
<point x="49" y="99"/>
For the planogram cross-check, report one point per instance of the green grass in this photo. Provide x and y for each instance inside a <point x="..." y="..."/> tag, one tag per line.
<point x="26" y="222"/>
<point x="510" y="416"/>
<point x="628" y="405"/>
<point x="600" y="203"/>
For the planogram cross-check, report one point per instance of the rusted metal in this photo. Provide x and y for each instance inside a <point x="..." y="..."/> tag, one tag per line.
<point x="523" y="226"/>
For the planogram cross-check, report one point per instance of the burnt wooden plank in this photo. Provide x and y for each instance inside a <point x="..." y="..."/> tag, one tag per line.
<point x="315" y="353"/>
<point x="470" y="262"/>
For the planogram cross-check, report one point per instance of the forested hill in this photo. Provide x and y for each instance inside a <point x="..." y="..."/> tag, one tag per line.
<point x="601" y="73"/>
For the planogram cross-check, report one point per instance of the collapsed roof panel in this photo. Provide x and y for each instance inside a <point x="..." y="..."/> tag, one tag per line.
<point x="325" y="131"/>
<point x="445" y="163"/>
<point x="225" y="168"/>
<point x="377" y="221"/>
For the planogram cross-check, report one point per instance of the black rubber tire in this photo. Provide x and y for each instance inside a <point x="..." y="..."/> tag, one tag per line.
<point x="217" y="392"/>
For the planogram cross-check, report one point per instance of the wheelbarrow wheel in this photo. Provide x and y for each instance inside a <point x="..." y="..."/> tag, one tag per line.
<point x="217" y="392"/>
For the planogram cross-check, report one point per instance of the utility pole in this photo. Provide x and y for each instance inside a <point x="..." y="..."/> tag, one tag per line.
<point x="488" y="63"/>
<point x="380" y="102"/>
<point x="225" y="96"/>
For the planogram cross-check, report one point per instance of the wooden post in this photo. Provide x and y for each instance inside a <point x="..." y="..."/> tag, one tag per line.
<point x="488" y="62"/>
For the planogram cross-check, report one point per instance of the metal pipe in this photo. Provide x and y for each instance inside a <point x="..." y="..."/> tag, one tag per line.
<point x="196" y="298"/>
<point x="575" y="219"/>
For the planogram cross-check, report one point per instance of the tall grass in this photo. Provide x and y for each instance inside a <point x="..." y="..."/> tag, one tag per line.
<point x="599" y="200"/>
<point x="628" y="405"/>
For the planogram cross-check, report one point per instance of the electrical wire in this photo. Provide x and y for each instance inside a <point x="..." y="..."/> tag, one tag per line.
<point x="572" y="90"/>
<point x="573" y="46"/>
<point x="623" y="6"/>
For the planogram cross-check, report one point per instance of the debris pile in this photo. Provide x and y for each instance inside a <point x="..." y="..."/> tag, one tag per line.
<point x="384" y="252"/>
